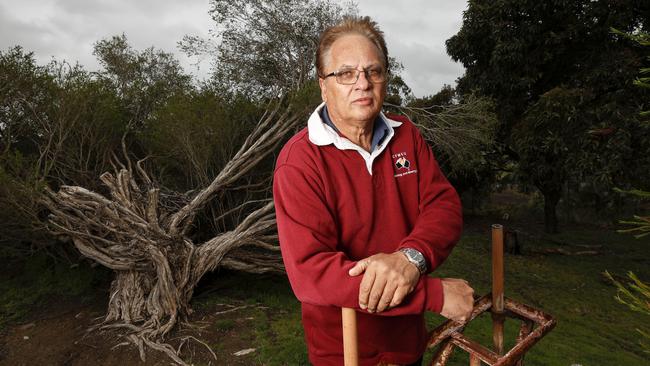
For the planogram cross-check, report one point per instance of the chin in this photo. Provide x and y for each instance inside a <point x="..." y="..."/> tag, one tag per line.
<point x="367" y="113"/>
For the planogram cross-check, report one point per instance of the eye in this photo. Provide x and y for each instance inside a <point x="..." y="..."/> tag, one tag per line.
<point x="346" y="74"/>
<point x="375" y="72"/>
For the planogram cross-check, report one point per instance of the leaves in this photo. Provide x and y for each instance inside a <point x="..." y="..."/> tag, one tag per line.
<point x="264" y="48"/>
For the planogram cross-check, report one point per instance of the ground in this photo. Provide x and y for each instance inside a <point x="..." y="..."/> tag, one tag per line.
<point x="235" y="312"/>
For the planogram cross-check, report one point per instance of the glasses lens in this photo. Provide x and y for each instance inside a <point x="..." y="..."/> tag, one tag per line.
<point x="351" y="76"/>
<point x="347" y="76"/>
<point x="376" y="75"/>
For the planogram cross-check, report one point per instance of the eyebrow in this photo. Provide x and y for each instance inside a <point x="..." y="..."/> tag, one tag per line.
<point x="346" y="66"/>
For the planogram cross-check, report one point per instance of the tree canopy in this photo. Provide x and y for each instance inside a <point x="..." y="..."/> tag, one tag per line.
<point x="559" y="76"/>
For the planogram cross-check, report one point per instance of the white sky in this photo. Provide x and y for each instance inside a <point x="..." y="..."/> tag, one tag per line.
<point x="67" y="29"/>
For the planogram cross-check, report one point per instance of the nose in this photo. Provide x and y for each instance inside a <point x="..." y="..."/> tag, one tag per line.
<point x="362" y="82"/>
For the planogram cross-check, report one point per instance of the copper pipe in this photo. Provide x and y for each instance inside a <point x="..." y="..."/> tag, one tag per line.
<point x="443" y="354"/>
<point x="475" y="349"/>
<point x="498" y="316"/>
<point x="474" y="361"/>
<point x="450" y="327"/>
<point x="524" y="330"/>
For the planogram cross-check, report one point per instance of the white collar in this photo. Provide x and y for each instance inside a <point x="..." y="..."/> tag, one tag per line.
<point x="321" y="134"/>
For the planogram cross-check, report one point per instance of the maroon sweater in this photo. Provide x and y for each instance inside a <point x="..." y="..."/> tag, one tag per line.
<point x="332" y="212"/>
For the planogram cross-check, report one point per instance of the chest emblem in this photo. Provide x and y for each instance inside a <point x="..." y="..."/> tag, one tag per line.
<point x="403" y="165"/>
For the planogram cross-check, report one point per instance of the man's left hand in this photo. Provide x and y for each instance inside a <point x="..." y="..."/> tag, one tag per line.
<point x="387" y="279"/>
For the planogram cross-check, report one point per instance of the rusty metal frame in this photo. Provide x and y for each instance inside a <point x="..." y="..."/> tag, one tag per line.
<point x="534" y="323"/>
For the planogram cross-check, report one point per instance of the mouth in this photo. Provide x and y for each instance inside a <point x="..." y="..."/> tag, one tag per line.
<point x="363" y="101"/>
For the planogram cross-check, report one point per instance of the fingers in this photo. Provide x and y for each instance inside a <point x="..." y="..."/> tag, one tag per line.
<point x="365" y="287"/>
<point x="459" y="299"/>
<point x="387" y="279"/>
<point x="386" y="297"/>
<point x="359" y="268"/>
<point x="375" y="294"/>
<point x="399" y="295"/>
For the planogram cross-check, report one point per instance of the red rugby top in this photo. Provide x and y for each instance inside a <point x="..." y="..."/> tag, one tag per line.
<point x="336" y="204"/>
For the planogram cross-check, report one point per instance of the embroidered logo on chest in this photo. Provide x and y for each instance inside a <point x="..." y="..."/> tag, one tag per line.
<point x="402" y="164"/>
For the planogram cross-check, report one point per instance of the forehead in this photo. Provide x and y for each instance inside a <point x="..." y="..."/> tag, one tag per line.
<point x="353" y="50"/>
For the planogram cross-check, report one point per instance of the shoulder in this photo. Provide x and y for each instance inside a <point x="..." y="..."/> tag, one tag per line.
<point x="407" y="129"/>
<point x="298" y="152"/>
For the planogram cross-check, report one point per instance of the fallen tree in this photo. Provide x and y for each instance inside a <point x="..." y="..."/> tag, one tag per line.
<point x="143" y="236"/>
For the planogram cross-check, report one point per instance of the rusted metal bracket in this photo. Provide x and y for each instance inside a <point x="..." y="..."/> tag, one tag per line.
<point x="535" y="323"/>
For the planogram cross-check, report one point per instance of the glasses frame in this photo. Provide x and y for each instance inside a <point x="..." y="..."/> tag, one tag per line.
<point x="358" y="73"/>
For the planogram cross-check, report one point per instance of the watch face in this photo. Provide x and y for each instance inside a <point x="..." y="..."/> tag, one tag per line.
<point x="416" y="258"/>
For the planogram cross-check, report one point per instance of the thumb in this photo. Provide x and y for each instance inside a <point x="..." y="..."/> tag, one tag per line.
<point x="358" y="268"/>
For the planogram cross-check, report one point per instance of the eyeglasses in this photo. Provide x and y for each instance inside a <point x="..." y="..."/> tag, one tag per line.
<point x="350" y="76"/>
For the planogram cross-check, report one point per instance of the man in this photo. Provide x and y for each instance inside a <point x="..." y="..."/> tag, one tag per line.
<point x="364" y="213"/>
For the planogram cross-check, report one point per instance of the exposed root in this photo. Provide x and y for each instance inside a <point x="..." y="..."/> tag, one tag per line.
<point x="142" y="234"/>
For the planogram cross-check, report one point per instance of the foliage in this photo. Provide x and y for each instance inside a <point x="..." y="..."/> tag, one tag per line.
<point x="461" y="133"/>
<point x="640" y="224"/>
<point x="37" y="278"/>
<point x="265" y="48"/>
<point x="528" y="56"/>
<point x="193" y="135"/>
<point x="142" y="80"/>
<point x="63" y="125"/>
<point x="636" y="296"/>
<point x="398" y="93"/>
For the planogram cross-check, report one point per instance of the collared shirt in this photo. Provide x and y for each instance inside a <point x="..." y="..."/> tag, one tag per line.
<point x="331" y="212"/>
<point x="379" y="128"/>
<point x="322" y="133"/>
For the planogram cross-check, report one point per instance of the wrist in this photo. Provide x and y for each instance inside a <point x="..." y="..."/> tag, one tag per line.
<point x="416" y="258"/>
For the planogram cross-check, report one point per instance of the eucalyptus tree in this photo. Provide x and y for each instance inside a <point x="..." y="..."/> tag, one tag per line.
<point x="264" y="48"/>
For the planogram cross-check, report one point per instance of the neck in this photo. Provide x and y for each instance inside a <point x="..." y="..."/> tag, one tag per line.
<point x="359" y="133"/>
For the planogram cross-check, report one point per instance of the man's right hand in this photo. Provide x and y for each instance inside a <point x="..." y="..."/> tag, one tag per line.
<point x="458" y="299"/>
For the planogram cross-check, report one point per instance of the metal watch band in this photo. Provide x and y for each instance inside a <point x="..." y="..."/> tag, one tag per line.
<point x="415" y="257"/>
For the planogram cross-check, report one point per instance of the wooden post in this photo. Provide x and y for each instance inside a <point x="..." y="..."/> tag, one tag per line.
<point x="498" y="315"/>
<point x="350" y="351"/>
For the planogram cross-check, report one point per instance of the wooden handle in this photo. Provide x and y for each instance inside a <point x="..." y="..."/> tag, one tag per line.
<point x="350" y="350"/>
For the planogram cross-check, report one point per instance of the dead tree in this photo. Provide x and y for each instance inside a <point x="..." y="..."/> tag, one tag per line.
<point x="137" y="233"/>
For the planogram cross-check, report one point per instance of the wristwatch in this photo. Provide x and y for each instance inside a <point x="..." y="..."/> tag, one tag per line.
<point x="416" y="258"/>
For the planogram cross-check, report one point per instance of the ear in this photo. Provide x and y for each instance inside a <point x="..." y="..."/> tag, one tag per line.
<point x="323" y="89"/>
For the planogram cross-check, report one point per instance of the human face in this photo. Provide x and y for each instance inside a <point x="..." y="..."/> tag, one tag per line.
<point x="360" y="103"/>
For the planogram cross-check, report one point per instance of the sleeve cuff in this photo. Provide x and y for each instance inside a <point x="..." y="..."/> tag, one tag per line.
<point x="435" y="295"/>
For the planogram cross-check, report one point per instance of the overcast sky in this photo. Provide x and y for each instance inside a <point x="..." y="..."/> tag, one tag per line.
<point x="67" y="29"/>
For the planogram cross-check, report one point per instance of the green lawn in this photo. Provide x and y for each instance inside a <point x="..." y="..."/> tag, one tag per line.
<point x="593" y="329"/>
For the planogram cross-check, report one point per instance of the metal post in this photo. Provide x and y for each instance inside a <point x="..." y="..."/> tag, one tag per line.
<point x="498" y="313"/>
<point x="350" y="350"/>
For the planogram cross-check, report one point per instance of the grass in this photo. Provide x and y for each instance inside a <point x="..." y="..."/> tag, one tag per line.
<point x="593" y="328"/>
<point x="26" y="284"/>
<point x="277" y="332"/>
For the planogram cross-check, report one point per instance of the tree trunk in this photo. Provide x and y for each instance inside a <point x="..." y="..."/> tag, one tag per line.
<point x="551" y="200"/>
<point x="144" y="239"/>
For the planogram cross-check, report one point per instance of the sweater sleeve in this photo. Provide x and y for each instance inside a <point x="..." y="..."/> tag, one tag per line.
<point x="439" y="223"/>
<point x="316" y="265"/>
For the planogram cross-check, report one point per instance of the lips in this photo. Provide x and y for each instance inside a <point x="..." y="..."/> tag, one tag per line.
<point x="363" y="101"/>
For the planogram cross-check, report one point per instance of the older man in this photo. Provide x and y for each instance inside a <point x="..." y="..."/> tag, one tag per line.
<point x="364" y="213"/>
